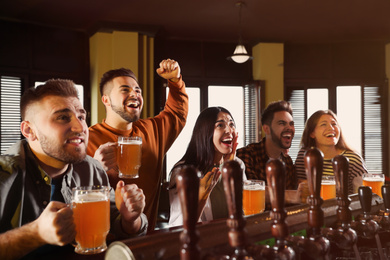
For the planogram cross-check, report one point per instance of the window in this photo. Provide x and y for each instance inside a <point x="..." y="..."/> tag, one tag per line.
<point x="10" y="111"/>
<point x="359" y="111"/>
<point x="231" y="98"/>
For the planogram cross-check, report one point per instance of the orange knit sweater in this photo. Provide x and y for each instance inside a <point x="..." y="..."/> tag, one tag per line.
<point x="158" y="134"/>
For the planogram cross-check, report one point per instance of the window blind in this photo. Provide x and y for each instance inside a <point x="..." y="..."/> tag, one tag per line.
<point x="251" y="113"/>
<point x="372" y="115"/>
<point x="10" y="92"/>
<point x="297" y="100"/>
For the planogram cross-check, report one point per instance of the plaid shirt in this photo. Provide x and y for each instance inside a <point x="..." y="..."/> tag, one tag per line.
<point x="255" y="157"/>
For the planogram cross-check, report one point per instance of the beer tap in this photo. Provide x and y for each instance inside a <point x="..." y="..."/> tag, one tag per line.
<point x="315" y="245"/>
<point x="385" y="221"/>
<point x="187" y="181"/>
<point x="232" y="173"/>
<point x="366" y="228"/>
<point x="275" y="170"/>
<point x="342" y="237"/>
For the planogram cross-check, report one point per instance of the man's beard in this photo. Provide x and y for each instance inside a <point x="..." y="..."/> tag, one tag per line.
<point x="58" y="152"/>
<point x="278" y="140"/>
<point x="124" y="114"/>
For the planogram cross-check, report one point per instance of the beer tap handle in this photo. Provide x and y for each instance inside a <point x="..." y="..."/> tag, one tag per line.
<point x="365" y="196"/>
<point x="386" y="196"/>
<point x="385" y="222"/>
<point x="275" y="170"/>
<point x="340" y="168"/>
<point x="314" y="165"/>
<point x="187" y="182"/>
<point x="232" y="172"/>
<point x="313" y="160"/>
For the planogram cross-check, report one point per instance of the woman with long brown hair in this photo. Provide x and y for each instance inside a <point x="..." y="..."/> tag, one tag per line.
<point x="323" y="131"/>
<point x="213" y="141"/>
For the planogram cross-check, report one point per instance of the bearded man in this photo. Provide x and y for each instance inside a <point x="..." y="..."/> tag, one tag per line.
<point x="278" y="125"/>
<point x="122" y="98"/>
<point x="37" y="175"/>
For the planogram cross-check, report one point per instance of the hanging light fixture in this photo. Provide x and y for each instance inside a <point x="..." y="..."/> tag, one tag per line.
<point x="240" y="54"/>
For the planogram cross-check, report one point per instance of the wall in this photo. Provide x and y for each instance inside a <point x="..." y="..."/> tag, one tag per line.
<point x="39" y="53"/>
<point x="268" y="65"/>
<point x="202" y="63"/>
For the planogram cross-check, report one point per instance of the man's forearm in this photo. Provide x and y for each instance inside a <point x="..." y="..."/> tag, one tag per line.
<point x="18" y="242"/>
<point x="131" y="227"/>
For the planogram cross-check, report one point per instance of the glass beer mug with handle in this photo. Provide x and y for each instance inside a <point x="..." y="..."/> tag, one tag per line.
<point x="91" y="215"/>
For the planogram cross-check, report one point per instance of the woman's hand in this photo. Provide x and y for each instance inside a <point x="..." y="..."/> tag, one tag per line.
<point x="232" y="154"/>
<point x="207" y="183"/>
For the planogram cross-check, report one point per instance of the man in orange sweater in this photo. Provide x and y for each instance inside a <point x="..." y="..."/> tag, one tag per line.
<point x="122" y="98"/>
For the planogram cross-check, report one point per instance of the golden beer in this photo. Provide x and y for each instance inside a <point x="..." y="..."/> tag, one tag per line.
<point x="375" y="181"/>
<point x="253" y="197"/>
<point x="91" y="214"/>
<point x="328" y="187"/>
<point x="129" y="156"/>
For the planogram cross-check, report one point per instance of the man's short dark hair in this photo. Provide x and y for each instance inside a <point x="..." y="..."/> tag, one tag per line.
<point x="52" y="87"/>
<point x="111" y="74"/>
<point x="268" y="114"/>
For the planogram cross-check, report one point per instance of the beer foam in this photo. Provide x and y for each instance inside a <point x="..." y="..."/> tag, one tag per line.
<point x="254" y="187"/>
<point x="373" y="178"/>
<point x="138" y="142"/>
<point x="90" y="197"/>
<point x="328" y="183"/>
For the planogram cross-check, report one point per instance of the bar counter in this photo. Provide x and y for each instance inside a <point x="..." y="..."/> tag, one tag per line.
<point x="213" y="236"/>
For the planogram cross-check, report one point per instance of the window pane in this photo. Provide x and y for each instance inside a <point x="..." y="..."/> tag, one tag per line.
<point x="179" y="147"/>
<point x="317" y="99"/>
<point x="349" y="113"/>
<point x="231" y="98"/>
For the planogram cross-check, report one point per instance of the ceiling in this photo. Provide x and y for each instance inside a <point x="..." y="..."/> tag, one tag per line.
<point x="216" y="20"/>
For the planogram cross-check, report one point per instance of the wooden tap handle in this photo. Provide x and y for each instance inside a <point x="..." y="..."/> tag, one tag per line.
<point x="232" y="173"/>
<point x="340" y="168"/>
<point x="314" y="164"/>
<point x="365" y="196"/>
<point x="314" y="161"/>
<point x="187" y="182"/>
<point x="386" y="196"/>
<point x="275" y="170"/>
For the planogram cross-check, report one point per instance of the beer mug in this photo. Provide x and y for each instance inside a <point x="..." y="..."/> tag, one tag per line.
<point x="375" y="181"/>
<point x="328" y="187"/>
<point x="91" y="215"/>
<point x="129" y="156"/>
<point x="253" y="197"/>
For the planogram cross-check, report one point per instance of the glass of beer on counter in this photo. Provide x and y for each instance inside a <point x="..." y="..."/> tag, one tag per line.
<point x="328" y="187"/>
<point x="129" y="156"/>
<point x="91" y="215"/>
<point x="253" y="197"/>
<point x="375" y="181"/>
